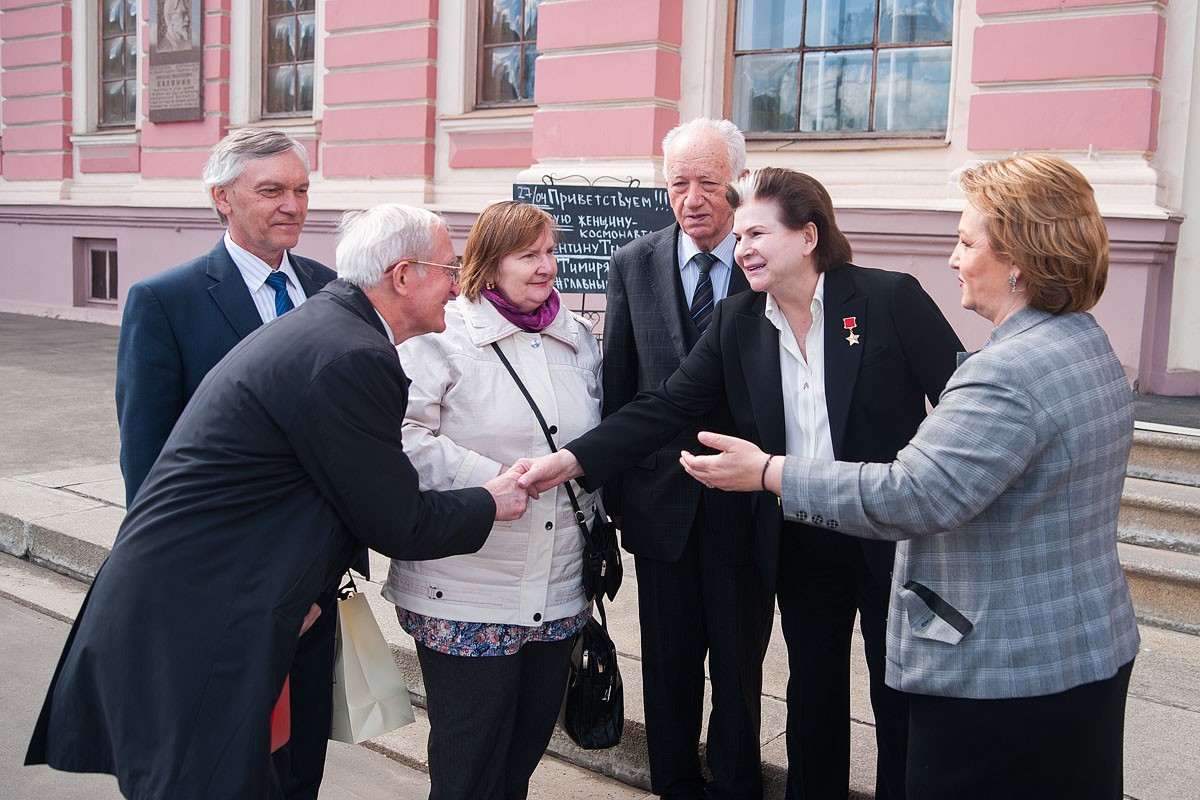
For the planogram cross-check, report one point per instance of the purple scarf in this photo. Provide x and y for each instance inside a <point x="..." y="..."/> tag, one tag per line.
<point x="532" y="322"/>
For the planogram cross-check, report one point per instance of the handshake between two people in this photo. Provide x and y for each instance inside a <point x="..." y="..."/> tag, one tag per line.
<point x="737" y="466"/>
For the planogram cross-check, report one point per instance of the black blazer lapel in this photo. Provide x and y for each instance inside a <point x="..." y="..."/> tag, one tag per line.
<point x="305" y="274"/>
<point x="661" y="271"/>
<point x="229" y="292"/>
<point x="758" y="348"/>
<point x="841" y="357"/>
<point x="737" y="280"/>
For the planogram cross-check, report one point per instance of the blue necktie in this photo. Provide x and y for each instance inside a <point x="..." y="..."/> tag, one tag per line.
<point x="283" y="303"/>
<point x="702" y="299"/>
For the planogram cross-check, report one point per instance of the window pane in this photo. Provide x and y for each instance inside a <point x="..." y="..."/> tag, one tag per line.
<point x="281" y="6"/>
<point x="306" y="5"/>
<point x="130" y="101"/>
<point x="131" y="18"/>
<point x="281" y="40"/>
<point x="112" y="59"/>
<point x="281" y="90"/>
<point x="304" y="77"/>
<point x="308" y="27"/>
<point x="504" y="22"/>
<point x="99" y="274"/>
<point x="764" y="92"/>
<point x="531" y="15"/>
<point x="112" y="275"/>
<point x="112" y="17"/>
<point x="130" y="56"/>
<point x="838" y="22"/>
<point x="530" y="54"/>
<point x="912" y="89"/>
<point x="836" y="93"/>
<point x="500" y="73"/>
<point x="768" y="24"/>
<point x="903" y="21"/>
<point x="112" y="102"/>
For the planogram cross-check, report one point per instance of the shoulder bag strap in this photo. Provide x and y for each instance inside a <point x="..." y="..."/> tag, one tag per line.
<point x="537" y="412"/>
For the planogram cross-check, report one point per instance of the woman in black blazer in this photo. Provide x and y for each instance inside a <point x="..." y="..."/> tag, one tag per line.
<point x="878" y="348"/>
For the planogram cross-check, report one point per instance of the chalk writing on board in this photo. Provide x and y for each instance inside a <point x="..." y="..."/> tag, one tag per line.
<point x="593" y="221"/>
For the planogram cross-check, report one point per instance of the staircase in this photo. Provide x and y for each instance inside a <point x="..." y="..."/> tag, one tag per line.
<point x="1159" y="526"/>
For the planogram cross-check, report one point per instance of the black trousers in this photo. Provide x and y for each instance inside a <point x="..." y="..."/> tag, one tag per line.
<point x="302" y="760"/>
<point x="823" y="581"/>
<point x="1056" y="747"/>
<point x="702" y="605"/>
<point x="490" y="718"/>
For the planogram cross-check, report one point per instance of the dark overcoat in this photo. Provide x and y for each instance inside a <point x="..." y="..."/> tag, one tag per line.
<point x="176" y="326"/>
<point x="285" y="463"/>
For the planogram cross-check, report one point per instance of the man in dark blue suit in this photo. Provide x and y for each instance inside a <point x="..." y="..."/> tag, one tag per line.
<point x="180" y="322"/>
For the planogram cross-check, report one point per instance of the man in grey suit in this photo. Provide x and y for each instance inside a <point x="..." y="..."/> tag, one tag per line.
<point x="180" y="322"/>
<point x="699" y="591"/>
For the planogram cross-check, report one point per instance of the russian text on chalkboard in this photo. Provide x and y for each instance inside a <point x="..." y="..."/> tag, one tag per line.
<point x="593" y="221"/>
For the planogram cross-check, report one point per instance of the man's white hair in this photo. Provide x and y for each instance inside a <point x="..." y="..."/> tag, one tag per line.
<point x="735" y="142"/>
<point x="370" y="241"/>
<point x="229" y="157"/>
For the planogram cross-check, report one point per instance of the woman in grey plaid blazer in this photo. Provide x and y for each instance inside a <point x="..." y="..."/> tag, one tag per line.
<point x="1011" y="625"/>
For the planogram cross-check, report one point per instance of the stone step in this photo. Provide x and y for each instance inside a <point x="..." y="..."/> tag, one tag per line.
<point x="1165" y="586"/>
<point x="1161" y="515"/>
<point x="1165" y="453"/>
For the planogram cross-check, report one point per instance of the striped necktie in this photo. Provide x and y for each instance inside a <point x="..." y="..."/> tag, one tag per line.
<point x="283" y="303"/>
<point x="702" y="300"/>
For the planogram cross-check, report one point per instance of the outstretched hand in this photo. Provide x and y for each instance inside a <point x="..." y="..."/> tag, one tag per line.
<point x="510" y="498"/>
<point x="738" y="467"/>
<point x="546" y="472"/>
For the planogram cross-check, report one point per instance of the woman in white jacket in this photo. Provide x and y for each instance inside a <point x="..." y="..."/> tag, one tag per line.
<point x="494" y="629"/>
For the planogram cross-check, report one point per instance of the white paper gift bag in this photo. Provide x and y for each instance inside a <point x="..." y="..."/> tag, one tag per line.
<point x="369" y="694"/>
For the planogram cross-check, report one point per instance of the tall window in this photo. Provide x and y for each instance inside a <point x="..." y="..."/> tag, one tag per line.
<point x="837" y="66"/>
<point x="118" y="63"/>
<point x="507" y="52"/>
<point x="290" y="33"/>
<point x="100" y="272"/>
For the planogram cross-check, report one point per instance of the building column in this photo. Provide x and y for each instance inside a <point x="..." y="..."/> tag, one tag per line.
<point x="380" y="91"/>
<point x="607" y="87"/>
<point x="35" y="90"/>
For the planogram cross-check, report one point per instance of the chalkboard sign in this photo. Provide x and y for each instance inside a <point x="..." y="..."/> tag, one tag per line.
<point x="593" y="221"/>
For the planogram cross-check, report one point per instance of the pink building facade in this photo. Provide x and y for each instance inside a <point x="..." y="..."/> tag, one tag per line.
<point x="447" y="103"/>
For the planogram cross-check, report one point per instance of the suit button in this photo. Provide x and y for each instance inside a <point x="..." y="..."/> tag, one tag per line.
<point x="535" y="344"/>
<point x="549" y="526"/>
<point x="553" y="429"/>
<point x="438" y="594"/>
<point x="833" y="523"/>
<point x="537" y="617"/>
<point x="817" y="519"/>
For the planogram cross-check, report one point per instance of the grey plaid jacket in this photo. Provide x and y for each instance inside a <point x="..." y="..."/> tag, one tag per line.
<point x="1006" y="583"/>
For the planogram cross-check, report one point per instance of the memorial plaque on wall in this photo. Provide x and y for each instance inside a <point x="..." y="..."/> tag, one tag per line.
<point x="593" y="221"/>
<point x="176" y="74"/>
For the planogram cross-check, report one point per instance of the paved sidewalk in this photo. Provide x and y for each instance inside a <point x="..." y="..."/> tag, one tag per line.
<point x="60" y="505"/>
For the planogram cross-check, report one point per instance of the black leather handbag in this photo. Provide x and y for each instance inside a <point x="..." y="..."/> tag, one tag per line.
<point x="594" y="713"/>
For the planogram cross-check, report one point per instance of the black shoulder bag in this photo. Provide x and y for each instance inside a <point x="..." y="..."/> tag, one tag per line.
<point x="594" y="712"/>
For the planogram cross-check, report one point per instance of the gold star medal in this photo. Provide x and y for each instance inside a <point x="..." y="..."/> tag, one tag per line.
<point x="850" y="323"/>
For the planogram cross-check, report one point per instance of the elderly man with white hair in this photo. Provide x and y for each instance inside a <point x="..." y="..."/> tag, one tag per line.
<point x="286" y="463"/>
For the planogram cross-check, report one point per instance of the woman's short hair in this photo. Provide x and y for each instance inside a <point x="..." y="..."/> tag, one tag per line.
<point x="370" y="241"/>
<point x="801" y="199"/>
<point x="1042" y="217"/>
<point x="502" y="228"/>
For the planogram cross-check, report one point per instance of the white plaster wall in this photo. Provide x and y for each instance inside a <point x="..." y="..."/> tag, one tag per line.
<point x="1184" y="348"/>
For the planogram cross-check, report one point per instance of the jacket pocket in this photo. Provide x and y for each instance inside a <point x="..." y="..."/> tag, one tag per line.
<point x="931" y="617"/>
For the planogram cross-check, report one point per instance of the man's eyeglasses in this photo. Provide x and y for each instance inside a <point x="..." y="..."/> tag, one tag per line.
<point x="451" y="269"/>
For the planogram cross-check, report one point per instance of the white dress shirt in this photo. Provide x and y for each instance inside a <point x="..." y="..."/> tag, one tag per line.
<point x="255" y="271"/>
<point x="689" y="273"/>
<point x="805" y="414"/>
